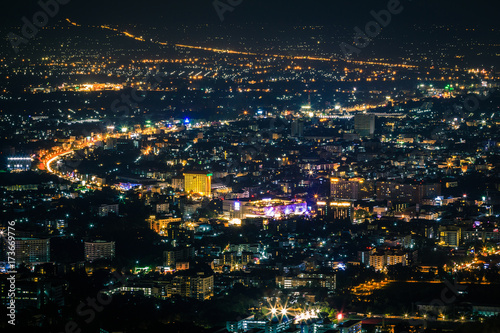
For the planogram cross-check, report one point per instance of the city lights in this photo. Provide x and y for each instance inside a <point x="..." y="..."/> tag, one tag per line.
<point x="263" y="172"/>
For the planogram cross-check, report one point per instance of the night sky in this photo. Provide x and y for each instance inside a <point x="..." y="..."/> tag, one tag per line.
<point x="279" y="12"/>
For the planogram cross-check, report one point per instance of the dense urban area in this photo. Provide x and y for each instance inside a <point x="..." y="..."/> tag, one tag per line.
<point x="152" y="183"/>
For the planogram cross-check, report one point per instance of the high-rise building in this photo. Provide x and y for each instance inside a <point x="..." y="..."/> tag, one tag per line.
<point x="364" y="255"/>
<point x="32" y="250"/>
<point x="344" y="189"/>
<point x="364" y="124"/>
<point x="335" y="210"/>
<point x="27" y="294"/>
<point x="110" y="143"/>
<point x="298" y="128"/>
<point x="450" y="236"/>
<point x="203" y="286"/>
<point x="178" y="183"/>
<point x="99" y="250"/>
<point x="35" y="294"/>
<point x="170" y="258"/>
<point x="412" y="193"/>
<point x="104" y="210"/>
<point x="198" y="182"/>
<point x="377" y="261"/>
<point x="198" y="285"/>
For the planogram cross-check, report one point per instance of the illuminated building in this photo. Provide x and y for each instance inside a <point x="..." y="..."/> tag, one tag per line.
<point x="178" y="183"/>
<point x="380" y="211"/>
<point x="241" y="209"/>
<point x="198" y="182"/>
<point x="20" y="187"/>
<point x="350" y="326"/>
<point x="182" y="266"/>
<point x="412" y="193"/>
<point x="364" y="124"/>
<point x="161" y="225"/>
<point x="377" y="261"/>
<point x="364" y="255"/>
<point x="162" y="208"/>
<point x="230" y="259"/>
<point x="450" y="236"/>
<point x="382" y="258"/>
<point x="32" y="250"/>
<point x="170" y="258"/>
<point x="395" y="191"/>
<point x="27" y="294"/>
<point x="247" y="257"/>
<point x="480" y="234"/>
<point x="250" y="323"/>
<point x="145" y="291"/>
<point x="242" y="325"/>
<point x="343" y="189"/>
<point x="394" y="258"/>
<point x="19" y="163"/>
<point x="307" y="280"/>
<point x="352" y="189"/>
<point x="198" y="285"/>
<point x="128" y="186"/>
<point x="335" y="210"/>
<point x="104" y="210"/>
<point x="99" y="250"/>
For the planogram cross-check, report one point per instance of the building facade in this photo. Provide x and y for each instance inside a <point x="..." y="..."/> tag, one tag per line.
<point x="198" y="182"/>
<point x="364" y="124"/>
<point x="99" y="250"/>
<point x="32" y="250"/>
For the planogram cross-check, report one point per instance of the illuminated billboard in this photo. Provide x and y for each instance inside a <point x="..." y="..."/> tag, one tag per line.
<point x="269" y="208"/>
<point x="285" y="210"/>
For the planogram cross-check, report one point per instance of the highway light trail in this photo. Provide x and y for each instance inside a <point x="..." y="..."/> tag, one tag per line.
<point x="216" y="50"/>
<point x="49" y="169"/>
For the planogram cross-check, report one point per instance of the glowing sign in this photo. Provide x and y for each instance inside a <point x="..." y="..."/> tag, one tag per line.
<point x="295" y="209"/>
<point x="340" y="204"/>
<point x="128" y="186"/>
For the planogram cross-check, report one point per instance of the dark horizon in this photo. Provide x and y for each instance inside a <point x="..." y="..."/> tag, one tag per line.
<point x="278" y="12"/>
